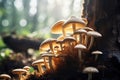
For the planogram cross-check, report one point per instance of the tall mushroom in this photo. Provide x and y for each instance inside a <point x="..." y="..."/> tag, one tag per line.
<point x="20" y="73"/>
<point x="80" y="47"/>
<point x="92" y="34"/>
<point x="96" y="53"/>
<point x="90" y="71"/>
<point x="5" y="77"/>
<point x="73" y="23"/>
<point x="48" y="44"/>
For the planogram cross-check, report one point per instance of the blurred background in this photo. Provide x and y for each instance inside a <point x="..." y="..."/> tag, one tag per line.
<point x="34" y="17"/>
<point x="24" y="24"/>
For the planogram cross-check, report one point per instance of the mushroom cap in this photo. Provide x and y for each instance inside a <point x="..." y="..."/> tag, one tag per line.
<point x="80" y="46"/>
<point x="26" y="68"/>
<point x="45" y="44"/>
<point x="5" y="76"/>
<point x="97" y="52"/>
<point x="38" y="62"/>
<point x="19" y="71"/>
<point x="94" y="33"/>
<point x="79" y="23"/>
<point x="90" y="70"/>
<point x="69" y="39"/>
<point x="80" y="31"/>
<point x="57" y="27"/>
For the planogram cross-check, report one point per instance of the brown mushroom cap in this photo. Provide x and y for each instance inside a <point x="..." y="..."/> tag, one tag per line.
<point x="19" y="71"/>
<point x="97" y="52"/>
<point x="5" y="76"/>
<point x="90" y="70"/>
<point x="57" y="27"/>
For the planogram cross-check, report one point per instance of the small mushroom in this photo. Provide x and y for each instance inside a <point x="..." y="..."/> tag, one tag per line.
<point x="20" y="73"/>
<point x="27" y="68"/>
<point x="81" y="33"/>
<point x="96" y="53"/>
<point x="39" y="63"/>
<point x="49" y="55"/>
<point x="5" y="77"/>
<point x="92" y="34"/>
<point x="80" y="47"/>
<point x="48" y="44"/>
<point x="69" y="40"/>
<point x="90" y="71"/>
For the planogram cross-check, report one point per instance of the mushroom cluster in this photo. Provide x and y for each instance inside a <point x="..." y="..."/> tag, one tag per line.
<point x="75" y="40"/>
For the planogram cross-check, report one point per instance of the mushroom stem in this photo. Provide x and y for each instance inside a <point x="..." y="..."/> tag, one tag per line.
<point x="61" y="47"/>
<point x="51" y="47"/>
<point x="21" y="77"/>
<point x="74" y="28"/>
<point x="96" y="57"/>
<point x="63" y="31"/>
<point x="45" y="62"/>
<point x="50" y="63"/>
<point x="91" y="42"/>
<point x="40" y="68"/>
<point x="89" y="76"/>
<point x="80" y="38"/>
<point x="86" y="40"/>
<point x="80" y="55"/>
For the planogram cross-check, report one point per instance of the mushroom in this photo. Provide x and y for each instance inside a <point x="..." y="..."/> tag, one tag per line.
<point x="81" y="33"/>
<point x="5" y="77"/>
<point x="80" y="47"/>
<point x="92" y="34"/>
<point x="68" y="41"/>
<point x="48" y="44"/>
<point x="73" y="23"/>
<point x="20" y="73"/>
<point x="90" y="71"/>
<point x="60" y="41"/>
<point x="27" y="68"/>
<point x="96" y="53"/>
<point x="57" y="28"/>
<point x="49" y="55"/>
<point x="39" y="63"/>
